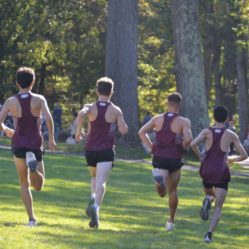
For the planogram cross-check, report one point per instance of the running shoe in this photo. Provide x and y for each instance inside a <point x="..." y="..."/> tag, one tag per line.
<point x="32" y="223"/>
<point x="208" y="237"/>
<point x="94" y="222"/>
<point x="91" y="202"/>
<point x="169" y="226"/>
<point x="204" y="212"/>
<point x="160" y="185"/>
<point x="31" y="161"/>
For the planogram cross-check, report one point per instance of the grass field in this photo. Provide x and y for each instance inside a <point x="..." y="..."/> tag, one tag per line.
<point x="132" y="215"/>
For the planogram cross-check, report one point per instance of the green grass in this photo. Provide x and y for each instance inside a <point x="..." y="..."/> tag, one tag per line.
<point x="132" y="215"/>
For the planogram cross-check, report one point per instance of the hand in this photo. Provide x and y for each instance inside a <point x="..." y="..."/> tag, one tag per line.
<point x="9" y="132"/>
<point x="51" y="144"/>
<point x="80" y="136"/>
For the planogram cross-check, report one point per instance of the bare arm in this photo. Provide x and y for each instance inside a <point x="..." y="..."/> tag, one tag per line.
<point x="201" y="137"/>
<point x="80" y="120"/>
<point x="49" y="123"/>
<point x="122" y="126"/>
<point x="144" y="136"/>
<point x="3" y="115"/>
<point x="187" y="134"/>
<point x="240" y="149"/>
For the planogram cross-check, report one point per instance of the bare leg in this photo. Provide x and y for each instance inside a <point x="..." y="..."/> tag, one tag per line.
<point x="210" y="193"/>
<point x="102" y="174"/>
<point x="173" y="182"/>
<point x="220" y="195"/>
<point x="37" y="178"/>
<point x="26" y="195"/>
<point x="92" y="172"/>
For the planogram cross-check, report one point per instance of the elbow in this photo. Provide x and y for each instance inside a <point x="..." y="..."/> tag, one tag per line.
<point x="244" y="157"/>
<point x="140" y="133"/>
<point x="191" y="145"/>
<point x="123" y="130"/>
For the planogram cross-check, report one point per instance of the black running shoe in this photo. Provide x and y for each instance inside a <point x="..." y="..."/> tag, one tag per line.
<point x="204" y="212"/>
<point x="91" y="202"/>
<point x="208" y="237"/>
<point x="31" y="161"/>
<point x="94" y="222"/>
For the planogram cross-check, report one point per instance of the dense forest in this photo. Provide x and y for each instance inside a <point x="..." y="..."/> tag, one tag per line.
<point x="150" y="48"/>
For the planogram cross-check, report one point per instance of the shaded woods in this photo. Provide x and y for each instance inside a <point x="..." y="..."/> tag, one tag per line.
<point x="149" y="48"/>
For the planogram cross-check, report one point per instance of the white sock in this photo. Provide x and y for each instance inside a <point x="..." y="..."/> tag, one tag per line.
<point x="93" y="196"/>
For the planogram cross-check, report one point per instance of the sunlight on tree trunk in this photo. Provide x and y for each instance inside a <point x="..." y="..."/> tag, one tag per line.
<point x="121" y="59"/>
<point x="189" y="62"/>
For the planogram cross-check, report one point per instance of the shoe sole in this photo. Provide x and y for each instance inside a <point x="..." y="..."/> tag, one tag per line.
<point x="204" y="212"/>
<point x="94" y="223"/>
<point x="207" y="240"/>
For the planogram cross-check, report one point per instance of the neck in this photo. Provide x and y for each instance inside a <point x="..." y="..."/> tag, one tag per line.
<point x="173" y="109"/>
<point x="103" y="98"/>
<point x="24" y="90"/>
<point x="219" y="125"/>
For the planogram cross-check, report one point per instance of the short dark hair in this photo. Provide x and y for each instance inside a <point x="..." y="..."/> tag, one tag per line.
<point x="220" y="113"/>
<point x="25" y="76"/>
<point x="175" y="98"/>
<point x="104" y="86"/>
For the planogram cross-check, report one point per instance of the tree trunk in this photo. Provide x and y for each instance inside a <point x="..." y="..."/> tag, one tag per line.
<point x="41" y="88"/>
<point x="242" y="92"/>
<point x="217" y="74"/>
<point x="189" y="62"/>
<point x="208" y="70"/>
<point x="121" y="59"/>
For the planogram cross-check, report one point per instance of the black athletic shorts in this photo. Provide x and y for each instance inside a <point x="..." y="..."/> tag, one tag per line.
<point x="223" y="185"/>
<point x="169" y="164"/>
<point x="21" y="153"/>
<point x="94" y="157"/>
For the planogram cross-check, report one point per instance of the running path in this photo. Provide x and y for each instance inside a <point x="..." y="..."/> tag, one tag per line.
<point x="244" y="164"/>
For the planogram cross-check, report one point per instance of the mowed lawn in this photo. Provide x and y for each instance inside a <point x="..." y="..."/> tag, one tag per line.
<point x="132" y="215"/>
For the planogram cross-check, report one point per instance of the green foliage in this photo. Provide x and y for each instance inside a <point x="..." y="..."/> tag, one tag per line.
<point x="156" y="57"/>
<point x="64" y="41"/>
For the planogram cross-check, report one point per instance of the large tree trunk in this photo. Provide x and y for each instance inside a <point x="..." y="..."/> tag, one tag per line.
<point x="242" y="57"/>
<point x="217" y="74"/>
<point x="121" y="59"/>
<point x="189" y="62"/>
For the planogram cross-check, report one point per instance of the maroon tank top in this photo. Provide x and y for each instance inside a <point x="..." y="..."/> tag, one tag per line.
<point x="214" y="167"/>
<point x="101" y="135"/>
<point x="165" y="143"/>
<point x="27" y="133"/>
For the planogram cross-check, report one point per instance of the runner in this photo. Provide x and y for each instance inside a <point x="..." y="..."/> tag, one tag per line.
<point x="99" y="150"/>
<point x="173" y="135"/>
<point x="214" y="170"/>
<point x="26" y="108"/>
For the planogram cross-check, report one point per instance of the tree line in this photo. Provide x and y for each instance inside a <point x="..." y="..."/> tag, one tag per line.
<point x="149" y="48"/>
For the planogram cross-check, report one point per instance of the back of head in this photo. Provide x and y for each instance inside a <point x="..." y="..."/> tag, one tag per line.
<point x="105" y="86"/>
<point x="175" y="99"/>
<point x="220" y="114"/>
<point x="25" y="77"/>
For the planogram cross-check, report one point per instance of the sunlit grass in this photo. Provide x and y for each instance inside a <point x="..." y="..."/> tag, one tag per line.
<point x="132" y="215"/>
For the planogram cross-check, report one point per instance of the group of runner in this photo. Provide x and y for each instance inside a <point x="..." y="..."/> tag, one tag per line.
<point x="173" y="137"/>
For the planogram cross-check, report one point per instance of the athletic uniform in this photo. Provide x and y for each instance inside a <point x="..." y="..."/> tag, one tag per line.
<point x="214" y="170"/>
<point x="100" y="141"/>
<point x="167" y="151"/>
<point x="27" y="136"/>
